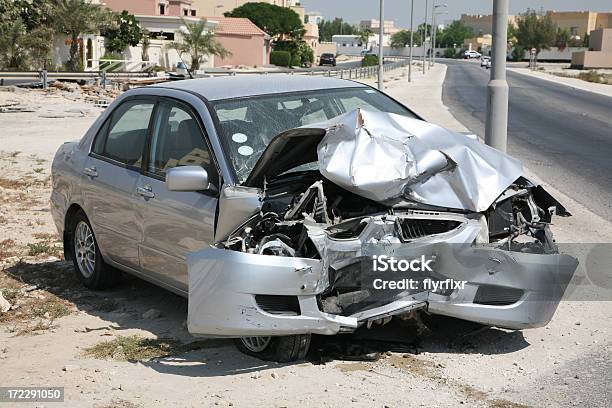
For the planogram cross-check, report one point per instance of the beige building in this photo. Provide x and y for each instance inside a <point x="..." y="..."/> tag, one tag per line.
<point x="577" y="22"/>
<point x="374" y="26"/>
<point x="218" y="7"/>
<point x="581" y="22"/>
<point x="599" y="54"/>
<point x="482" y="24"/>
<point x="481" y="44"/>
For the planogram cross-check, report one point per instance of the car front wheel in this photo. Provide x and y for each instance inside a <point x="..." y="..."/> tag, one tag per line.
<point x="89" y="266"/>
<point x="282" y="349"/>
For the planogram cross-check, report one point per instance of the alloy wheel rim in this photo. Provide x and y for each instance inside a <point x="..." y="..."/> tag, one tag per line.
<point x="256" y="344"/>
<point x="84" y="249"/>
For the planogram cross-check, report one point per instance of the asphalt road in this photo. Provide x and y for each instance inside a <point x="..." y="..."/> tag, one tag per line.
<point x="562" y="134"/>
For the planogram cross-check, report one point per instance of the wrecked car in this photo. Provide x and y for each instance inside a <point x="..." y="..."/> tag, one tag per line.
<point x="263" y="200"/>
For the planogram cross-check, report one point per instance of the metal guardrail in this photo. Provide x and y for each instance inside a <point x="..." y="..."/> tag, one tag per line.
<point x="103" y="76"/>
<point x="339" y="72"/>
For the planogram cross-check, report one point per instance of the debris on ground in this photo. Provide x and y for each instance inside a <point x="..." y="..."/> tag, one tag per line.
<point x="5" y="306"/>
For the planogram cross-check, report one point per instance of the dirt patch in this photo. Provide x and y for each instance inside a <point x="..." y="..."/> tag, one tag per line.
<point x="133" y="348"/>
<point x="8" y="248"/>
<point x="120" y="403"/>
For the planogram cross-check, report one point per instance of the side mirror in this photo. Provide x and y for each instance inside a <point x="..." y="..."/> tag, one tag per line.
<point x="187" y="178"/>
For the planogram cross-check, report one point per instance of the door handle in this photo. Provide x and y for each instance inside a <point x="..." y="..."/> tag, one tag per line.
<point x="90" y="171"/>
<point x="146" y="192"/>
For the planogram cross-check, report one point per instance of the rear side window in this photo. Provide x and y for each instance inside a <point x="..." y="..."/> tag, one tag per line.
<point x="122" y="139"/>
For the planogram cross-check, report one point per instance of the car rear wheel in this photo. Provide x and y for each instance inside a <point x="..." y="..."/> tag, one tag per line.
<point x="282" y="349"/>
<point x="89" y="266"/>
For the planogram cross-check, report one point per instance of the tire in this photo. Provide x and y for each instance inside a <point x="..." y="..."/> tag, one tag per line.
<point x="89" y="266"/>
<point x="282" y="349"/>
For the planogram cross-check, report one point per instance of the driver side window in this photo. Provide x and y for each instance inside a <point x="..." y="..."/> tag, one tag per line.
<point x="178" y="140"/>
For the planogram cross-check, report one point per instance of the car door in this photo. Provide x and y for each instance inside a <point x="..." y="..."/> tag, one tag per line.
<point x="111" y="174"/>
<point x="175" y="223"/>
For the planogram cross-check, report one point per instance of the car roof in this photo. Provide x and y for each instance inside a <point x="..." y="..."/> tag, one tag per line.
<point x="229" y="87"/>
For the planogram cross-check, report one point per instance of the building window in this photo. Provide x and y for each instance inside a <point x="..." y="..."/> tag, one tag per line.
<point x="185" y="12"/>
<point x="162" y="9"/>
<point x="193" y="13"/>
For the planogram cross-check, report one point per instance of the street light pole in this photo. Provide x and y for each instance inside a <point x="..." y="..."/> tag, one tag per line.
<point x="411" y="41"/>
<point x="435" y="31"/>
<point x="380" y="45"/>
<point x="432" y="32"/>
<point x="425" y="37"/>
<point x="496" y="134"/>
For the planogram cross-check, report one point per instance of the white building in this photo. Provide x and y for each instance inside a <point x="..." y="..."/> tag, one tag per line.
<point x="348" y="44"/>
<point x="314" y="17"/>
<point x="162" y="31"/>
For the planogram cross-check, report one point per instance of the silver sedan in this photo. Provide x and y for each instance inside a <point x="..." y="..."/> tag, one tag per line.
<point x="263" y="200"/>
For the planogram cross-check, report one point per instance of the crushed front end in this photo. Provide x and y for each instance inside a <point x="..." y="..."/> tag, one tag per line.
<point x="300" y="263"/>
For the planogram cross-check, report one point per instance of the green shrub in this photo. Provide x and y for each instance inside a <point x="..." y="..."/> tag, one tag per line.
<point x="517" y="53"/>
<point x="307" y="56"/>
<point x="369" y="60"/>
<point x="591" y="76"/>
<point x="280" y="58"/>
<point x="296" y="61"/>
<point x="450" y="53"/>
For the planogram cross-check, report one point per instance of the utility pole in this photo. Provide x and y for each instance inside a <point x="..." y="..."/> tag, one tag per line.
<point x="411" y="41"/>
<point x="380" y="45"/>
<point x="496" y="134"/>
<point x="431" y="35"/>
<point x="435" y="30"/>
<point x="425" y="37"/>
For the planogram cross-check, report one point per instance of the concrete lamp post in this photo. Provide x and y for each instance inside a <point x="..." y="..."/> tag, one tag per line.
<point x="381" y="30"/>
<point x="496" y="134"/>
<point x="411" y="41"/>
<point x="435" y="30"/>
<point x="424" y="36"/>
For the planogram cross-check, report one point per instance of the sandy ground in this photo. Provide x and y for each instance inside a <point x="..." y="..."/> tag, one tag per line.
<point x="44" y="341"/>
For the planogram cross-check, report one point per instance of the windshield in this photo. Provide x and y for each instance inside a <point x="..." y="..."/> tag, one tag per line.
<point x="249" y="124"/>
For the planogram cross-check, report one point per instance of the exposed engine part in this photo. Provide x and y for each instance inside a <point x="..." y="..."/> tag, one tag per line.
<point x="312" y="203"/>
<point x="305" y="215"/>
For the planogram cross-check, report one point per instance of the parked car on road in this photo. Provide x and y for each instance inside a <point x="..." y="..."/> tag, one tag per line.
<point x="471" y="54"/>
<point x="327" y="58"/>
<point x="257" y="198"/>
<point x="485" y="62"/>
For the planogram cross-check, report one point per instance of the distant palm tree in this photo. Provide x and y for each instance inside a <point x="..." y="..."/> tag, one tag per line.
<point x="198" y="42"/>
<point x="74" y="18"/>
<point x="13" y="39"/>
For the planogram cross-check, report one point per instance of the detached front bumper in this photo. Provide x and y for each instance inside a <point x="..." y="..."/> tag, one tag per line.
<point x="230" y="292"/>
<point x="513" y="290"/>
<point x="226" y="288"/>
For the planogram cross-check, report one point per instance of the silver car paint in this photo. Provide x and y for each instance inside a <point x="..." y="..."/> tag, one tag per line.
<point x="183" y="223"/>
<point x="384" y="157"/>
<point x="222" y="283"/>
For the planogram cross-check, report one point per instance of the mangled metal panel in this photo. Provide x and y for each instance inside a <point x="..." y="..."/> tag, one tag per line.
<point x="387" y="157"/>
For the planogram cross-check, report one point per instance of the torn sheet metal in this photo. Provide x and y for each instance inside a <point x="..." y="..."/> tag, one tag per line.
<point x="387" y="157"/>
<point x="236" y="204"/>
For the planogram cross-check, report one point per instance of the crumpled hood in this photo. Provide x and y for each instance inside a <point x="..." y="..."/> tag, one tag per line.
<point x="392" y="159"/>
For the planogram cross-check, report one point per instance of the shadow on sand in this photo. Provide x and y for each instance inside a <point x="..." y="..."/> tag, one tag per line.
<point x="124" y="306"/>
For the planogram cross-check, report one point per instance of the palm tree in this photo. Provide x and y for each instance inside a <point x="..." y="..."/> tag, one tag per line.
<point x="198" y="42"/>
<point x="13" y="39"/>
<point x="74" y="18"/>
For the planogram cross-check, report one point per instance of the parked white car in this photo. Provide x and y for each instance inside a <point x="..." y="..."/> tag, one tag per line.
<point x="471" y="54"/>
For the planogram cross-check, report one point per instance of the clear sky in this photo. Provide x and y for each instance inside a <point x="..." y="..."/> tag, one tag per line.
<point x="399" y="10"/>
